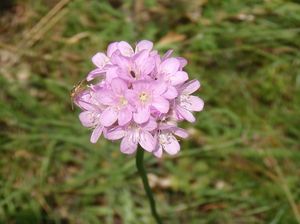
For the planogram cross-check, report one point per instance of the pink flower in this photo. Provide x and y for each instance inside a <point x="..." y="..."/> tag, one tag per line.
<point x="134" y="134"/>
<point x="147" y="96"/>
<point x="136" y="94"/>
<point x="90" y="117"/>
<point x="166" y="141"/>
<point x="118" y="107"/>
<point x="186" y="103"/>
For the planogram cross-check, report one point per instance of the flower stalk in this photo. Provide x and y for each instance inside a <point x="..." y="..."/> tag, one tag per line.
<point x="143" y="173"/>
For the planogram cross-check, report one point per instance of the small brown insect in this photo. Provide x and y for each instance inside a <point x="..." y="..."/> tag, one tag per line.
<point x="77" y="89"/>
<point x="132" y="73"/>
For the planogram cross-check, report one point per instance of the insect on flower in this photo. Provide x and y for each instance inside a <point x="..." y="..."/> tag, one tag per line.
<point x="77" y="89"/>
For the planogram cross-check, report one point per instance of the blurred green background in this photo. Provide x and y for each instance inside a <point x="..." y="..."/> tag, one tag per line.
<point x="242" y="161"/>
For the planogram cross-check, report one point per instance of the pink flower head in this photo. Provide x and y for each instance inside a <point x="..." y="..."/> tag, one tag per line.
<point x="137" y="95"/>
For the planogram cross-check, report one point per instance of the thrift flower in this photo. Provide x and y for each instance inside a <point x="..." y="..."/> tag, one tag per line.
<point x="133" y="94"/>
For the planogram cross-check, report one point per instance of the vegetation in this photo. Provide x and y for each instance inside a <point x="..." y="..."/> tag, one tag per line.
<point x="241" y="164"/>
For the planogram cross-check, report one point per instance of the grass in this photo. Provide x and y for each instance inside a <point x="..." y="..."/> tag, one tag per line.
<point x="241" y="164"/>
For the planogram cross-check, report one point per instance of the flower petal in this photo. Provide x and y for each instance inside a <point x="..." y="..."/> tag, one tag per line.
<point x="125" y="48"/>
<point x="190" y="87"/>
<point x="171" y="93"/>
<point x="144" y="45"/>
<point x="111" y="73"/>
<point x="128" y="145"/>
<point x="118" y="86"/>
<point x="84" y="101"/>
<point x="94" y="73"/>
<point x="159" y="88"/>
<point x="180" y="132"/>
<point x="108" y="116"/>
<point x="96" y="134"/>
<point x="112" y="48"/>
<point x="195" y="104"/>
<point x="100" y="60"/>
<point x="186" y="114"/>
<point x="131" y="96"/>
<point x="167" y="54"/>
<point x="144" y="63"/>
<point x="142" y="115"/>
<point x="183" y="62"/>
<point x="179" y="78"/>
<point x="161" y="104"/>
<point x="125" y="116"/>
<point x="87" y="118"/>
<point x="169" y="66"/>
<point x="147" y="141"/>
<point x="172" y="146"/>
<point x="158" y="152"/>
<point x="115" y="134"/>
<point x="150" y="125"/>
<point x="120" y="60"/>
<point x="105" y="97"/>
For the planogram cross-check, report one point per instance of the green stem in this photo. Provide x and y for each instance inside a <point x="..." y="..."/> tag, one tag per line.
<point x="143" y="174"/>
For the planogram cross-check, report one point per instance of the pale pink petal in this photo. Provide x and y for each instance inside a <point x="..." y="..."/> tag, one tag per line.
<point x="161" y="104"/>
<point x="120" y="60"/>
<point x="96" y="134"/>
<point x="125" y="116"/>
<point x="144" y="45"/>
<point x="172" y="146"/>
<point x="141" y="86"/>
<point x="125" y="48"/>
<point x="178" y="78"/>
<point x="100" y="60"/>
<point x="115" y="134"/>
<point x="95" y="73"/>
<point x="118" y="86"/>
<point x="159" y="87"/>
<point x="148" y="66"/>
<point x="167" y="54"/>
<point x="180" y="132"/>
<point x="111" y="73"/>
<point x="87" y="118"/>
<point x="112" y="48"/>
<point x="128" y="144"/>
<point x="190" y="87"/>
<point x="142" y="115"/>
<point x="108" y="116"/>
<point x="143" y="62"/>
<point x="171" y="93"/>
<point x="131" y="96"/>
<point x="186" y="114"/>
<point x="169" y="66"/>
<point x="105" y="97"/>
<point x="147" y="141"/>
<point x="195" y="103"/>
<point x="150" y="125"/>
<point x="167" y="126"/>
<point x="158" y="152"/>
<point x="84" y="102"/>
<point x="183" y="62"/>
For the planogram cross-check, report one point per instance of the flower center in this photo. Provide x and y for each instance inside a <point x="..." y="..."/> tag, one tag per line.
<point x="165" y="139"/>
<point x="143" y="97"/>
<point x="123" y="101"/>
<point x="185" y="100"/>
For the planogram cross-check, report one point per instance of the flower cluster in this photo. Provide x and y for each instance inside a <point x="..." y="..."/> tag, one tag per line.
<point x="138" y="96"/>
